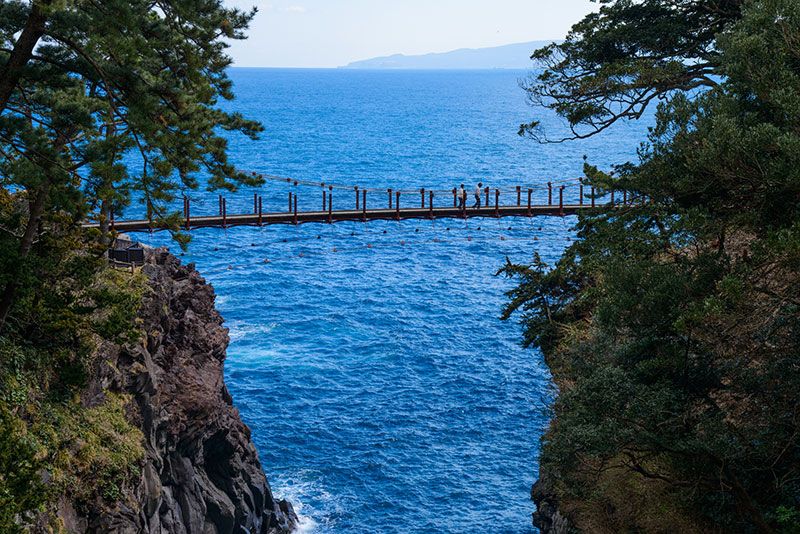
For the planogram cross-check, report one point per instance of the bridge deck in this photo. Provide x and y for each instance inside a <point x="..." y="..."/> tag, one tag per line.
<point x="255" y="219"/>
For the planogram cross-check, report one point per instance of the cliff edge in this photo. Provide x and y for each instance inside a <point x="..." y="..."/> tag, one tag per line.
<point x="200" y="472"/>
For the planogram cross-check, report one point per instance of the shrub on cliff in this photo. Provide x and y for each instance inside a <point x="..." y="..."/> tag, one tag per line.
<point x="50" y="443"/>
<point x="673" y="325"/>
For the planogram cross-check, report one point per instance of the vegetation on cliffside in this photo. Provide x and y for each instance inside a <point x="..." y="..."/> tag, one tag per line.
<point x="82" y="86"/>
<point x="51" y="443"/>
<point x="672" y="326"/>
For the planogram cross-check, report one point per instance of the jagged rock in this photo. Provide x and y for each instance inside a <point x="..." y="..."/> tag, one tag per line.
<point x="201" y="472"/>
<point x="548" y="518"/>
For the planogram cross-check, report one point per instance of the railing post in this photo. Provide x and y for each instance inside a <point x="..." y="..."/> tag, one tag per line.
<point x="356" y="190"/>
<point x="487" y="196"/>
<point x="593" y="197"/>
<point x="324" y="201"/>
<point x="255" y="202"/>
<point x="561" y="200"/>
<point x="188" y="214"/>
<point x="580" y="200"/>
<point x="430" y="204"/>
<point x="612" y="198"/>
<point x="397" y="204"/>
<point x="224" y="213"/>
<point x="530" y="194"/>
<point x="290" y="201"/>
<point x="364" y="204"/>
<point x="625" y="198"/>
<point x="295" y="209"/>
<point x="422" y="194"/>
<point x="390" y="199"/>
<point x="549" y="193"/>
<point x="519" y="196"/>
<point x="260" y="211"/>
<point x="455" y="200"/>
<point x="111" y="216"/>
<point x="330" y="205"/>
<point x="220" y="205"/>
<point x="497" y="203"/>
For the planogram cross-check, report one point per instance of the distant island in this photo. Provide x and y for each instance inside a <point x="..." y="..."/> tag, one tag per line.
<point x="513" y="56"/>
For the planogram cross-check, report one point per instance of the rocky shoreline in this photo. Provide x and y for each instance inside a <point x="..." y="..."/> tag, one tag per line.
<point x="201" y="472"/>
<point x="547" y="517"/>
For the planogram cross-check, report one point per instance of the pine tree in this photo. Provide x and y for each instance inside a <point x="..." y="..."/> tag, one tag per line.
<point x="84" y="83"/>
<point x="615" y="63"/>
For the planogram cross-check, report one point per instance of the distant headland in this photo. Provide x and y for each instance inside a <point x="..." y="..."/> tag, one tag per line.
<point x="513" y="56"/>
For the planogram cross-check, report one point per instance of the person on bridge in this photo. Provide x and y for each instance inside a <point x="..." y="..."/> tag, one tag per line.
<point x="478" y="196"/>
<point x="462" y="197"/>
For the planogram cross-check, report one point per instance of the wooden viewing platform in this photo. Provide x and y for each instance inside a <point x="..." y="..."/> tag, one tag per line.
<point x="361" y="213"/>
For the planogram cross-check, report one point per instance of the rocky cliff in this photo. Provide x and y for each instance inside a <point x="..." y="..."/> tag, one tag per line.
<point x="548" y="518"/>
<point x="200" y="472"/>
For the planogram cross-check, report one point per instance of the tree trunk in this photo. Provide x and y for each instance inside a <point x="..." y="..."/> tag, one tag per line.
<point x="22" y="53"/>
<point x="746" y="503"/>
<point x="34" y="218"/>
<point x="105" y="222"/>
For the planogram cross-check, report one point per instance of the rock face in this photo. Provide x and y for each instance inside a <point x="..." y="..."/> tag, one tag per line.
<point x="548" y="518"/>
<point x="201" y="473"/>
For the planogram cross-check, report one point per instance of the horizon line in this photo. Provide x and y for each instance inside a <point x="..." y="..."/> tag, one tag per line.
<point x="412" y="55"/>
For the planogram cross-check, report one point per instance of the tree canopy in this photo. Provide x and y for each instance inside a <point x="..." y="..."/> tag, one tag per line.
<point x="84" y="83"/>
<point x="673" y="327"/>
<point x="615" y="63"/>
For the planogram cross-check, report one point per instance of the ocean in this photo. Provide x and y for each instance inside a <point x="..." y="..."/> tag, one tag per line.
<point x="383" y="391"/>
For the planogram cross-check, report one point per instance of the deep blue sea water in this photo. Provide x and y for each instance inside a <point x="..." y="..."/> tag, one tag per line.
<point x="383" y="391"/>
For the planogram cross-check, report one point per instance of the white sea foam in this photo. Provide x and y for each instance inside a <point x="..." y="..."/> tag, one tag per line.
<point x="294" y="494"/>
<point x="305" y="524"/>
<point x="312" y="520"/>
<point x="240" y="331"/>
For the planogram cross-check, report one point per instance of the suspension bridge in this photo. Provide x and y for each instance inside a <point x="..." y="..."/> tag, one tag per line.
<point x="368" y="204"/>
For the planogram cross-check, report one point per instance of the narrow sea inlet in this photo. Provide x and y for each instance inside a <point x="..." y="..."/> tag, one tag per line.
<point x="383" y="392"/>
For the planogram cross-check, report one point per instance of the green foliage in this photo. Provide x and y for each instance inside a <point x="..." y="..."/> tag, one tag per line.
<point x="50" y="448"/>
<point x="615" y="63"/>
<point x="82" y="84"/>
<point x="89" y="451"/>
<point x="673" y="327"/>
<point x="116" y="297"/>
<point x="788" y="519"/>
<point x="47" y="433"/>
<point x="68" y="302"/>
<point x="21" y="487"/>
<point x="96" y="81"/>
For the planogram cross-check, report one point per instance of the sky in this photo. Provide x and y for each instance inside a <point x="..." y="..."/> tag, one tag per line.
<point x="332" y="33"/>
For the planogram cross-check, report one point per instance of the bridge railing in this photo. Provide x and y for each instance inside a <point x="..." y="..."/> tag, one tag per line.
<point x="312" y="197"/>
